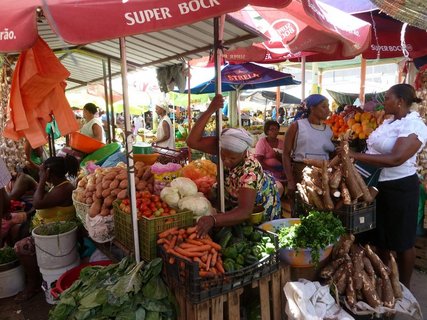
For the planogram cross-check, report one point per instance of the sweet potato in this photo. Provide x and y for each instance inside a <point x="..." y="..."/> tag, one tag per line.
<point x="95" y="208"/>
<point x="114" y="184"/>
<point x="335" y="180"/>
<point x="369" y="292"/>
<point x="368" y="266"/>
<point x="379" y="288"/>
<point x="387" y="292"/>
<point x="122" y="194"/>
<point x="106" y="193"/>
<point x="394" y="278"/>
<point x="123" y="184"/>
<point x="327" y="200"/>
<point x="378" y="265"/>
<point x="329" y="269"/>
<point x="106" y="184"/>
<point x="350" y="292"/>
<point x="108" y="201"/>
<point x="110" y="176"/>
<point x="357" y="259"/>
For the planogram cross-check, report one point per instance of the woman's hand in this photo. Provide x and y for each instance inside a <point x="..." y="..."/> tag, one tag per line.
<point x="43" y="174"/>
<point x="216" y="103"/>
<point x="204" y="225"/>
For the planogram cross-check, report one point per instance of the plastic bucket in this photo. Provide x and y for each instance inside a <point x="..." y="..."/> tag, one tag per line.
<point x="51" y="275"/>
<point x="12" y="281"/>
<point x="57" y="251"/>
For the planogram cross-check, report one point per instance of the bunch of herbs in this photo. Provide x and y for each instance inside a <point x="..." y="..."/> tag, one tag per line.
<point x="7" y="254"/>
<point x="55" y="228"/>
<point x="316" y="231"/>
<point x="123" y="291"/>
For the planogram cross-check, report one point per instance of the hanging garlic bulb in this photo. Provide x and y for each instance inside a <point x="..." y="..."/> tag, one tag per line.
<point x="12" y="152"/>
<point x="422" y="110"/>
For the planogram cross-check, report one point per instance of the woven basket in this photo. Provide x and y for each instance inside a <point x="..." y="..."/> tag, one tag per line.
<point x="82" y="210"/>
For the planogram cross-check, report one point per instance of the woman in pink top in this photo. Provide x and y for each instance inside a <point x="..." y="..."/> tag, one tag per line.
<point x="268" y="148"/>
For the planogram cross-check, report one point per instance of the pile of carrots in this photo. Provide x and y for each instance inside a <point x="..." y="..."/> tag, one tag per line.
<point x="184" y="244"/>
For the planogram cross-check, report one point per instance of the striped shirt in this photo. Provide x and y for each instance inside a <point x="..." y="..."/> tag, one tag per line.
<point x="4" y="174"/>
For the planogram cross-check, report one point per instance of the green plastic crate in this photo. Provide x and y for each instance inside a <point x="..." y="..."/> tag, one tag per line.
<point x="148" y="230"/>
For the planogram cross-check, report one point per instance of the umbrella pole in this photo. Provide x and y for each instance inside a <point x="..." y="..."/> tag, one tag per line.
<point x="302" y="78"/>
<point x="239" y="111"/>
<point x="362" y="80"/>
<point x="107" y="109"/>
<point x="189" y="105"/>
<point x="218" y="37"/>
<point x="129" y="153"/>
<point x="110" y="85"/>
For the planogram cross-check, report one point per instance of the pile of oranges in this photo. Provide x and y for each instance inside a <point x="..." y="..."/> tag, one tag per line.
<point x="338" y="124"/>
<point x="361" y="125"/>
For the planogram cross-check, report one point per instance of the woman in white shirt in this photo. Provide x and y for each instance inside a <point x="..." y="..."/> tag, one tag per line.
<point x="394" y="146"/>
<point x="93" y="126"/>
<point x="165" y="132"/>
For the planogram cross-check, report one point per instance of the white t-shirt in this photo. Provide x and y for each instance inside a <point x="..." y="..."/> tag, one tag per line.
<point x="383" y="139"/>
<point x="170" y="143"/>
<point x="88" y="131"/>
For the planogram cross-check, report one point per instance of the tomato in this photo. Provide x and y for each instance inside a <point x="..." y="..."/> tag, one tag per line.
<point x="164" y="205"/>
<point x="158" y="205"/>
<point x="153" y="206"/>
<point x="147" y="213"/>
<point x="155" y="198"/>
<point x="166" y="210"/>
<point x="172" y="211"/>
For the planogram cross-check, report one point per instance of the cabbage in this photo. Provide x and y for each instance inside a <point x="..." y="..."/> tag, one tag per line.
<point x="196" y="203"/>
<point x="170" y="195"/>
<point x="186" y="187"/>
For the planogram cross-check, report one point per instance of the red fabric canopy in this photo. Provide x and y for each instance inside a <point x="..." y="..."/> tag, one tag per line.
<point x="84" y="21"/>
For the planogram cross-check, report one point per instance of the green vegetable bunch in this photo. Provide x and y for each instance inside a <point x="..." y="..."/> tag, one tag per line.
<point x="123" y="291"/>
<point x="7" y="254"/>
<point x="55" y="228"/>
<point x="316" y="231"/>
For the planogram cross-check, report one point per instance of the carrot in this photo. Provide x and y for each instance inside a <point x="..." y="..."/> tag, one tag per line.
<point x="172" y="260"/>
<point x="163" y="240"/>
<point x="167" y="232"/>
<point x="173" y="241"/>
<point x="214" y="257"/>
<point x="208" y="261"/>
<point x="181" y="231"/>
<point x="200" y="248"/>
<point x="204" y="258"/>
<point x="219" y="266"/>
<point x="201" y="264"/>
<point x="186" y="253"/>
<point x="206" y="273"/>
<point x="186" y="245"/>
<point x="214" y="245"/>
<point x="172" y="251"/>
<point x="196" y="242"/>
<point x="191" y="230"/>
<point x="192" y="236"/>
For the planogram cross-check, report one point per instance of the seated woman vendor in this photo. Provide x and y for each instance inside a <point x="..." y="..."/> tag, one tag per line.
<point x="247" y="185"/>
<point x="51" y="206"/>
<point x="268" y="150"/>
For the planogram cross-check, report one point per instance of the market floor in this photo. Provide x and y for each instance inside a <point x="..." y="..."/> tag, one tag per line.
<point x="38" y="309"/>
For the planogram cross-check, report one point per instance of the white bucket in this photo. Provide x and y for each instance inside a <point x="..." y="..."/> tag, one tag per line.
<point x="57" y="251"/>
<point x="51" y="275"/>
<point x="12" y="282"/>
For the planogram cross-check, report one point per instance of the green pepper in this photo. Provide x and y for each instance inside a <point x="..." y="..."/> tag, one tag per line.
<point x="225" y="239"/>
<point x="230" y="252"/>
<point x="256" y="236"/>
<point x="250" y="260"/>
<point x="247" y="230"/>
<point x="270" y="248"/>
<point x="240" y="259"/>
<point x="238" y="266"/>
<point x="229" y="265"/>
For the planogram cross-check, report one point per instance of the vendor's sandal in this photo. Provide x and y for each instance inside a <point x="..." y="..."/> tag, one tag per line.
<point x="27" y="294"/>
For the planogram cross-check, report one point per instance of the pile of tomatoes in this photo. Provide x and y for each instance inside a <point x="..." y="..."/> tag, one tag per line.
<point x="148" y="205"/>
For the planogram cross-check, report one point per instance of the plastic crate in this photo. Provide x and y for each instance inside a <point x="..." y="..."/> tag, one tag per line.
<point x="171" y="155"/>
<point x="82" y="210"/>
<point x="148" y="230"/>
<point x="356" y="218"/>
<point x="185" y="275"/>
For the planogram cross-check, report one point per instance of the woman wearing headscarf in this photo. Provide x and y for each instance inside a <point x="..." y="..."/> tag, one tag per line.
<point x="394" y="146"/>
<point x="247" y="186"/>
<point x="93" y="126"/>
<point x="307" y="138"/>
<point x="165" y="132"/>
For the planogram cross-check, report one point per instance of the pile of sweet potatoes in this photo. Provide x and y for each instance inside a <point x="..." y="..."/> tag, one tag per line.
<point x="359" y="274"/>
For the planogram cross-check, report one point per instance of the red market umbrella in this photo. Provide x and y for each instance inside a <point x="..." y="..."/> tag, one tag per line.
<point x="83" y="21"/>
<point x="305" y="28"/>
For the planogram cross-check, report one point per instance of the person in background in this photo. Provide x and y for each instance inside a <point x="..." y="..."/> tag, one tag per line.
<point x="93" y="126"/>
<point x="139" y="123"/>
<point x="267" y="149"/>
<point x="5" y="178"/>
<point x="165" y="131"/>
<point x="394" y="146"/>
<point x="51" y="206"/>
<point x="281" y="119"/>
<point x="248" y="187"/>
<point x="273" y="113"/>
<point x="307" y="138"/>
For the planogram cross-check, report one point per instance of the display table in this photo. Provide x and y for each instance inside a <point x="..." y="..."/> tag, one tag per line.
<point x="227" y="306"/>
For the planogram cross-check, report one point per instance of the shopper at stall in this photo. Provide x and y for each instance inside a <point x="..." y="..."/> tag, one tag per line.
<point x="247" y="186"/>
<point x="51" y="206"/>
<point x="165" y="132"/>
<point x="93" y="127"/>
<point x="394" y="146"/>
<point x="307" y="138"/>
<point x="268" y="150"/>
<point x="5" y="178"/>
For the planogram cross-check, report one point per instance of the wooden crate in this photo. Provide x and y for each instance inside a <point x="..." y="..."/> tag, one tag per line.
<point x="227" y="306"/>
<point x="421" y="253"/>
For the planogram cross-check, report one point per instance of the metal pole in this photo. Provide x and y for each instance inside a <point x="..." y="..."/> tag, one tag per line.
<point x="110" y="83"/>
<point x="107" y="109"/>
<point x="129" y="153"/>
<point x="218" y="37"/>
<point x="302" y="78"/>
<point x="362" y="80"/>
<point x="189" y="105"/>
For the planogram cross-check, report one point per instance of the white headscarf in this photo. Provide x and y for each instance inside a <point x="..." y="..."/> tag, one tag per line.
<point x="237" y="140"/>
<point x="164" y="106"/>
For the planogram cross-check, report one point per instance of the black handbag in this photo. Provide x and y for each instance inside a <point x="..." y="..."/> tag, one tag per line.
<point x="369" y="173"/>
